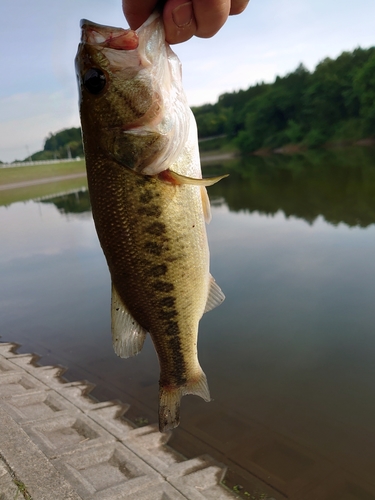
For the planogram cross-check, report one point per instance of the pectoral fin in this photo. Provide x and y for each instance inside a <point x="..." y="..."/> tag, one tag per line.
<point x="215" y="295"/>
<point x="128" y="335"/>
<point x="178" y="179"/>
<point x="206" y="205"/>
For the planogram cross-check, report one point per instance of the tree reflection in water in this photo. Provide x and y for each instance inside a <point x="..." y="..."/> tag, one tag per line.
<point x="337" y="185"/>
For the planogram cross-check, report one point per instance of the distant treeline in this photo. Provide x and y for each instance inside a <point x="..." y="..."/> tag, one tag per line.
<point x="334" y="103"/>
<point x="64" y="144"/>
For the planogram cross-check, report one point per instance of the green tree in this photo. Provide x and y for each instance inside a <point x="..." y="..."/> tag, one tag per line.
<point x="364" y="86"/>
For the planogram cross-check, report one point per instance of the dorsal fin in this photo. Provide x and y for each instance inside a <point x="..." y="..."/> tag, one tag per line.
<point x="128" y="335"/>
<point x="215" y="295"/>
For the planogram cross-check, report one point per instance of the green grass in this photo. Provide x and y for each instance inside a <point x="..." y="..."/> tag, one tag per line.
<point x="10" y="196"/>
<point x="22" y="489"/>
<point x="22" y="174"/>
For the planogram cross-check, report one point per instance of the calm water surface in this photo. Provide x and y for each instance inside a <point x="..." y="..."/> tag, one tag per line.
<point x="289" y="356"/>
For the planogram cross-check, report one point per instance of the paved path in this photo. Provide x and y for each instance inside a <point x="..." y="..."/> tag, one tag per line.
<point x="15" y="185"/>
<point x="58" y="178"/>
<point x="56" y="443"/>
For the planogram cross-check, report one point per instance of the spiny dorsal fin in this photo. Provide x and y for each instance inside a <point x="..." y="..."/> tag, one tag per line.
<point x="128" y="336"/>
<point x="215" y="295"/>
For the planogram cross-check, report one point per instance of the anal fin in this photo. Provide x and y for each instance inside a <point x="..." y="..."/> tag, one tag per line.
<point x="128" y="335"/>
<point x="215" y="295"/>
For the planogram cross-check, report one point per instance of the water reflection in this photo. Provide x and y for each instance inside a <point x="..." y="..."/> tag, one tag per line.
<point x="289" y="355"/>
<point x="77" y="202"/>
<point x="339" y="186"/>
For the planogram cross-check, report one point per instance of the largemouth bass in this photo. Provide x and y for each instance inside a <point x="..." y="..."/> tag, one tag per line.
<point x="149" y="202"/>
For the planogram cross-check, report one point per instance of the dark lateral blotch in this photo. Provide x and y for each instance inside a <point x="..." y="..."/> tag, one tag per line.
<point x="158" y="270"/>
<point x="163" y="286"/>
<point x="156" y="228"/>
<point x="168" y="301"/>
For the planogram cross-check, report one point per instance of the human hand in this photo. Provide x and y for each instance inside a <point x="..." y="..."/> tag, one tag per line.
<point x="184" y="19"/>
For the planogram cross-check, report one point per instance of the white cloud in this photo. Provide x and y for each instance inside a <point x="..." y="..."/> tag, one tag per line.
<point x="270" y="38"/>
<point x="27" y="119"/>
<point x="55" y="234"/>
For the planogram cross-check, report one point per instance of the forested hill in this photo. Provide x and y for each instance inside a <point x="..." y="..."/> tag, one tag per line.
<point x="64" y="144"/>
<point x="336" y="102"/>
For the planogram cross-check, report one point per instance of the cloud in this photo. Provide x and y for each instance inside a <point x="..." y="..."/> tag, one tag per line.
<point x="270" y="38"/>
<point x="27" y="119"/>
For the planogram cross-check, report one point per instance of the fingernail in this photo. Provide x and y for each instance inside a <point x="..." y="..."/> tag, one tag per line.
<point x="183" y="15"/>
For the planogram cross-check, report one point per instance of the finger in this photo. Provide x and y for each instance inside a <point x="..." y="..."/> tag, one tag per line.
<point x="238" y="6"/>
<point x="203" y="18"/>
<point x="137" y="13"/>
<point x="179" y="21"/>
<point x="210" y="16"/>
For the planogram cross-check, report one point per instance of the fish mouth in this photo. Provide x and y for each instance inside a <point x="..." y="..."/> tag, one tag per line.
<point x="107" y="36"/>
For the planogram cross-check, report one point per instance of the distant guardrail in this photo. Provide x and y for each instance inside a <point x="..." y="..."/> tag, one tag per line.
<point x="39" y="162"/>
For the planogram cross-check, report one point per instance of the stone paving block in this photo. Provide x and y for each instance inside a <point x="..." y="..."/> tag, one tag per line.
<point x="148" y="443"/>
<point x="23" y="359"/>
<point x="151" y="445"/>
<point x="191" y="466"/>
<point x="163" y="491"/>
<point x="110" y="472"/>
<point x="66" y="434"/>
<point x="78" y="394"/>
<point x="50" y="375"/>
<point x="203" y="484"/>
<point x="12" y="383"/>
<point x="7" y="366"/>
<point x="110" y="417"/>
<point x="8" y="489"/>
<point x="7" y="349"/>
<point x="37" y="406"/>
<point x="78" y="435"/>
<point x="30" y="465"/>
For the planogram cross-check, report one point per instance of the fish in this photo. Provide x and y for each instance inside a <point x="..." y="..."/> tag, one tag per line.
<point x="149" y="200"/>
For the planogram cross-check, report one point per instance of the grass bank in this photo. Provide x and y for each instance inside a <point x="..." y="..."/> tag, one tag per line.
<point x="13" y="175"/>
<point x="10" y="196"/>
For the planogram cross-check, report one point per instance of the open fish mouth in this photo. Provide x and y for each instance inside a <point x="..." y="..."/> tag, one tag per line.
<point x="116" y="58"/>
<point x="105" y="36"/>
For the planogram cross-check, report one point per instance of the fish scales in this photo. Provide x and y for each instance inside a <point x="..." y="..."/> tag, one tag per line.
<point x="153" y="257"/>
<point x="149" y="213"/>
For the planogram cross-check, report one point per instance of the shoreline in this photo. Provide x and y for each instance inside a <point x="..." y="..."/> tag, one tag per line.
<point x="45" y="180"/>
<point x="60" y="440"/>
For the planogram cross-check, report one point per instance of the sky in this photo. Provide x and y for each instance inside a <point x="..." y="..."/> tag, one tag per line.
<point x="38" y="40"/>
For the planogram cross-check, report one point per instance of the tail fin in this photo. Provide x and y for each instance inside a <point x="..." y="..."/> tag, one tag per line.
<point x="170" y="398"/>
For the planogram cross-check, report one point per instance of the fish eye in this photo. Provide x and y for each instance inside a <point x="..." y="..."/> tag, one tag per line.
<point x="94" y="80"/>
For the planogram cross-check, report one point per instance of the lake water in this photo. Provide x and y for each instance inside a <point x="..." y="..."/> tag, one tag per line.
<point x="289" y="356"/>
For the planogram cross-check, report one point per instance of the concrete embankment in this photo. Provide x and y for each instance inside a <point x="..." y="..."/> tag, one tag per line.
<point x="56" y="443"/>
